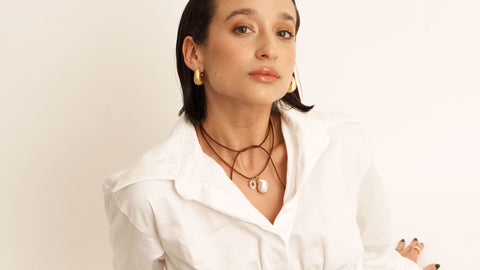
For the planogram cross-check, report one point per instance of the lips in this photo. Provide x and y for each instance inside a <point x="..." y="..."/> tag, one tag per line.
<point x="265" y="74"/>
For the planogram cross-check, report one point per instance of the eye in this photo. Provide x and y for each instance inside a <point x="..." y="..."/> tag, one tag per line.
<point x="242" y="29"/>
<point x="285" y="34"/>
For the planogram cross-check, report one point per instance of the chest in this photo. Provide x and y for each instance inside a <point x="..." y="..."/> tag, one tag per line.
<point x="316" y="230"/>
<point x="269" y="203"/>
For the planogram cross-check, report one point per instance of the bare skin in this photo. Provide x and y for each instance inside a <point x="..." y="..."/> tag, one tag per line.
<point x="412" y="251"/>
<point x="268" y="204"/>
<point x="246" y="36"/>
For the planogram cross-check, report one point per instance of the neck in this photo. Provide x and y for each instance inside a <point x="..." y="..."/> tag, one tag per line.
<point x="237" y="126"/>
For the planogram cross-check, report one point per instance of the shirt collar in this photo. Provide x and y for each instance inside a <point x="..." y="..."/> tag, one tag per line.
<point x="197" y="177"/>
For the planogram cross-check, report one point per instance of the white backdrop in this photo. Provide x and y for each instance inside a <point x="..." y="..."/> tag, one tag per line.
<point x="88" y="86"/>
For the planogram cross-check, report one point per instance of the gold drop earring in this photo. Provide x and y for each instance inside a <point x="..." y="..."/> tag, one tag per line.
<point x="293" y="85"/>
<point x="198" y="77"/>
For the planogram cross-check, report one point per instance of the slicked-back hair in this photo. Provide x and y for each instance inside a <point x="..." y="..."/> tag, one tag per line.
<point x="195" y="22"/>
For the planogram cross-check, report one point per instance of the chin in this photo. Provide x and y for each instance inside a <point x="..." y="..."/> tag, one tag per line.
<point x="264" y="97"/>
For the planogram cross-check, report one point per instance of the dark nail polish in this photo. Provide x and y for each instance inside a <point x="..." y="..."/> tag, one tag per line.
<point x="403" y="240"/>
<point x="415" y="239"/>
<point x="437" y="265"/>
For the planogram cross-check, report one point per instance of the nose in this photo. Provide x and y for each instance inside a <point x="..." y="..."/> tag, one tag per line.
<point x="267" y="47"/>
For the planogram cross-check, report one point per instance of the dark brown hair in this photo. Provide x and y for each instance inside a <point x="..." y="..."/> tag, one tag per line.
<point x="195" y="22"/>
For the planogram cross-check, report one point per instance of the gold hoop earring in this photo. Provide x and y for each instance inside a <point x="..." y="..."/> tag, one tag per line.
<point x="293" y="85"/>
<point x="198" y="77"/>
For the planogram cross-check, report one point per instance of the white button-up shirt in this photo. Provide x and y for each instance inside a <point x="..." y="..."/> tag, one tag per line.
<point x="176" y="208"/>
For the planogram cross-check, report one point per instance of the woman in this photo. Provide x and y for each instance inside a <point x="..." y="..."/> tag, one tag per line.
<point x="244" y="181"/>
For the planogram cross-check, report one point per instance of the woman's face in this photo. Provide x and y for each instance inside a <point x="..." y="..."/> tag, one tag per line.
<point x="249" y="55"/>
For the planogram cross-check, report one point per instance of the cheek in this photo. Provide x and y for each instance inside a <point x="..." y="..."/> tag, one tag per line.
<point x="289" y="63"/>
<point x="224" y="61"/>
<point x="290" y="56"/>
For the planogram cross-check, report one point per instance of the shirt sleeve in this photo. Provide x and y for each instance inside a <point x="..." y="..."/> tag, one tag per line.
<point x="373" y="218"/>
<point x="133" y="249"/>
<point x="374" y="222"/>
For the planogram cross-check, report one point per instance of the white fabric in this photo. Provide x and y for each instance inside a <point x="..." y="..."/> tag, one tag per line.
<point x="176" y="208"/>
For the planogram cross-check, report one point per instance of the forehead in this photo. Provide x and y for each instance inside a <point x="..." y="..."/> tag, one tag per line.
<point x="265" y="8"/>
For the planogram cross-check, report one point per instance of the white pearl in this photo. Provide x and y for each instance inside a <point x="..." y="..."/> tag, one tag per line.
<point x="262" y="186"/>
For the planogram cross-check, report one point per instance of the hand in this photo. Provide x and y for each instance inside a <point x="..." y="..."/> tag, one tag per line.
<point x="412" y="251"/>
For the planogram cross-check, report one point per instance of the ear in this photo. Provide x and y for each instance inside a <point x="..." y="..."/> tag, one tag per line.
<point x="192" y="54"/>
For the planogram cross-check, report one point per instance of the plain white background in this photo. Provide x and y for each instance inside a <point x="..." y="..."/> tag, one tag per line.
<point x="88" y="86"/>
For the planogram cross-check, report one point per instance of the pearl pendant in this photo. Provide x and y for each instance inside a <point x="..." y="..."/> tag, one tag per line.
<point x="262" y="186"/>
<point x="253" y="184"/>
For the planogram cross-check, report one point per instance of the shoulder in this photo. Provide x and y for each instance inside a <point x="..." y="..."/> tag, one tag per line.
<point x="341" y="130"/>
<point x="341" y="127"/>
<point x="135" y="202"/>
<point x="348" y="141"/>
<point x="131" y="192"/>
<point x="334" y="122"/>
<point x="327" y="118"/>
<point x="348" y="138"/>
<point x="339" y="124"/>
<point x="331" y="118"/>
<point x="158" y="163"/>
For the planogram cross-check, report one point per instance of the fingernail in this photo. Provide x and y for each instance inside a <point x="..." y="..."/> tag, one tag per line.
<point x="415" y="239"/>
<point x="437" y="265"/>
<point x="403" y="240"/>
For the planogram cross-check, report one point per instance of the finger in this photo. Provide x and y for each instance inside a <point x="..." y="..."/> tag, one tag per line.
<point x="412" y="244"/>
<point x="421" y="246"/>
<point x="400" y="245"/>
<point x="412" y="250"/>
<point x="432" y="267"/>
<point x="413" y="254"/>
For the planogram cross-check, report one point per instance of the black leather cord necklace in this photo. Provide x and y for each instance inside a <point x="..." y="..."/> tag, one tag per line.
<point x="255" y="182"/>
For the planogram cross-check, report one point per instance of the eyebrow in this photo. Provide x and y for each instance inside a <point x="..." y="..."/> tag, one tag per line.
<point x="287" y="17"/>
<point x="243" y="11"/>
<point x="252" y="12"/>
